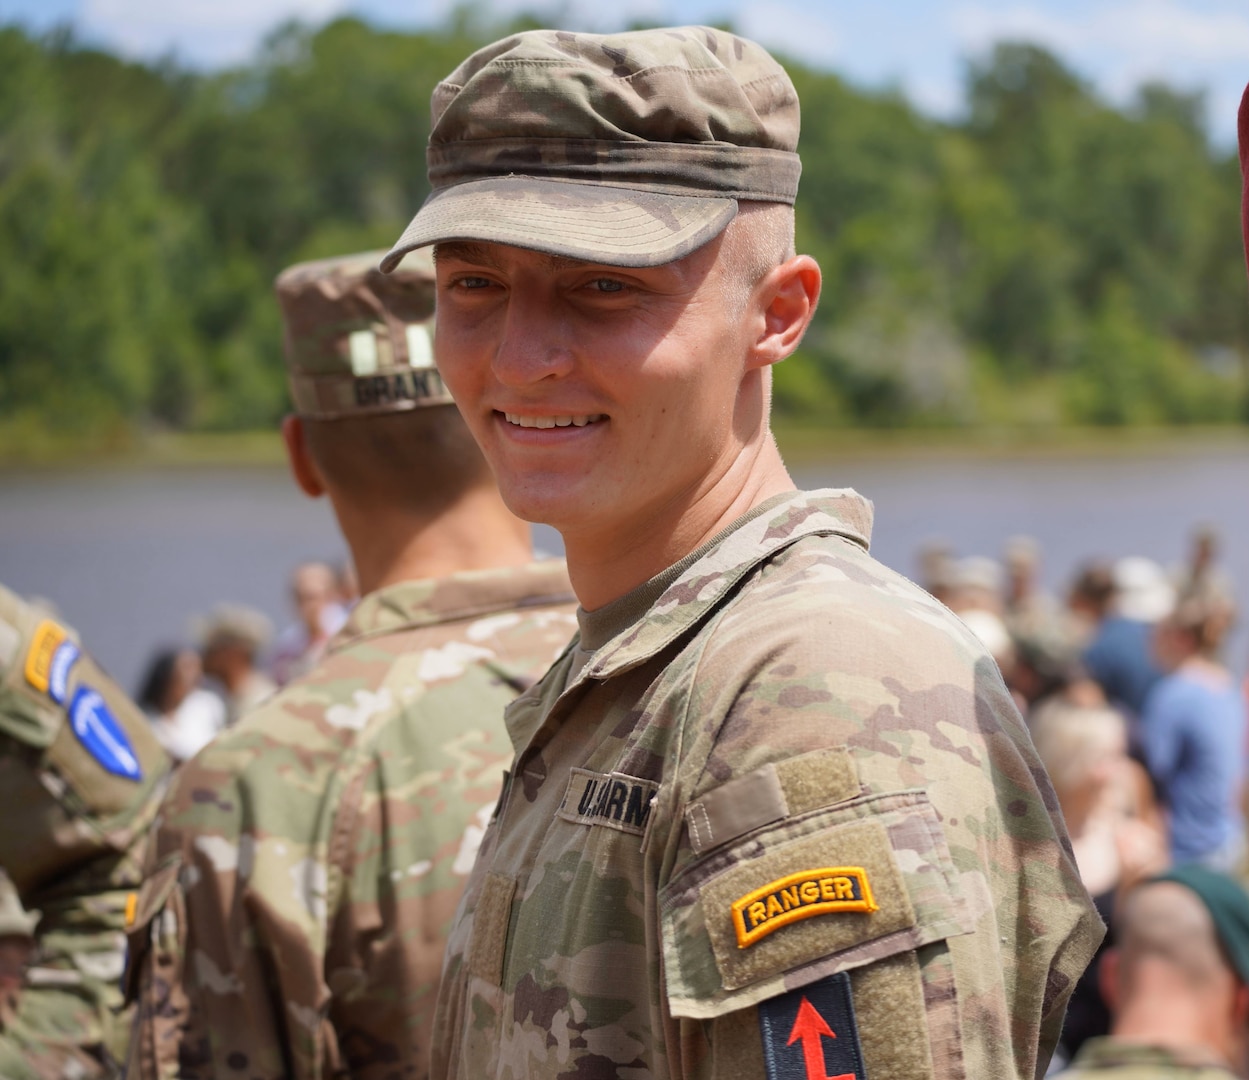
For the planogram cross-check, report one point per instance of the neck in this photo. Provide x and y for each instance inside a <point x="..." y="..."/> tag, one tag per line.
<point x="389" y="546"/>
<point x="1161" y="1013"/>
<point x="1203" y="666"/>
<point x="607" y="563"/>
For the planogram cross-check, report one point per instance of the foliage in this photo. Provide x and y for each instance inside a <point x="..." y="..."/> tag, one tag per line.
<point x="1050" y="260"/>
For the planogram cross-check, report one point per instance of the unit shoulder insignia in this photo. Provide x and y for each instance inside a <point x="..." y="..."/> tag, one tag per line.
<point x="100" y="733"/>
<point x="811" y="1034"/>
<point x="800" y="896"/>
<point x="51" y="657"/>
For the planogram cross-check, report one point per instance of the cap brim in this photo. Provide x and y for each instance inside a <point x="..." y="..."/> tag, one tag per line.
<point x="593" y="222"/>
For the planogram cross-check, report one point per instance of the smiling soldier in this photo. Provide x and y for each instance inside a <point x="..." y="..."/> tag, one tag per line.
<point x="308" y="862"/>
<point x="774" y="813"/>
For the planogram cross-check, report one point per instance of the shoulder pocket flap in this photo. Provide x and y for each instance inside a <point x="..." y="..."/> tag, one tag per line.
<point x="150" y="901"/>
<point x="29" y="718"/>
<point x="806" y="898"/>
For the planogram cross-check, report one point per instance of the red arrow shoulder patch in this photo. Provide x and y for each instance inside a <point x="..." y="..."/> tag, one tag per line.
<point x="811" y="1034"/>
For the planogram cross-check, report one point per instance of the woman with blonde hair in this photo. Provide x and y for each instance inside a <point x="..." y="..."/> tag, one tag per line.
<point x="1116" y="831"/>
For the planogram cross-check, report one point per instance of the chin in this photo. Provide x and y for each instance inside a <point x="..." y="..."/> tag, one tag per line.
<point x="540" y="502"/>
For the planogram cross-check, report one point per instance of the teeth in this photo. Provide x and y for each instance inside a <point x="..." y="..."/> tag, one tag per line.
<point x="552" y="421"/>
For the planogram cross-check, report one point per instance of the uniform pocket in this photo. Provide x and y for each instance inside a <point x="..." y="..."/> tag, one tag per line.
<point x="153" y="982"/>
<point x="150" y="928"/>
<point x="831" y="890"/>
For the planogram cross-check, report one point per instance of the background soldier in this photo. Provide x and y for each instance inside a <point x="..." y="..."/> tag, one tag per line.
<point x="1177" y="983"/>
<point x="81" y="777"/>
<point x="775" y="812"/>
<point x="231" y="640"/>
<point x="308" y="862"/>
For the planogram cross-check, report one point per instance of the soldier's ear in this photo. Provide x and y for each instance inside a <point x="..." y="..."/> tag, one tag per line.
<point x="303" y="467"/>
<point x="788" y="295"/>
<point x="1108" y="979"/>
<point x="1240" y="1007"/>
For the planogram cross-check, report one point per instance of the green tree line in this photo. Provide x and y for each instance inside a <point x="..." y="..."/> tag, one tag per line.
<point x="1048" y="261"/>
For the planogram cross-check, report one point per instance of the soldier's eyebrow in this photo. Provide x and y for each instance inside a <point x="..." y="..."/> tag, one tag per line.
<point x="465" y="251"/>
<point x="481" y="255"/>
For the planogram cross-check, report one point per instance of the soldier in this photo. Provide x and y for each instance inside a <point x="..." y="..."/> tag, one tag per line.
<point x="81" y="777"/>
<point x="1177" y="983"/>
<point x="231" y="639"/>
<point x="308" y="862"/>
<point x="775" y="812"/>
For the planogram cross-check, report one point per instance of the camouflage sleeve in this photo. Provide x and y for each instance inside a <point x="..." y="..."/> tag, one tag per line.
<point x="407" y="838"/>
<point x="895" y="790"/>
<point x="210" y="999"/>
<point x="15" y="921"/>
<point x="293" y="920"/>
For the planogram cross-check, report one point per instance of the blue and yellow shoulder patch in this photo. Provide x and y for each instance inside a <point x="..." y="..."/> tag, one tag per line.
<point x="800" y="896"/>
<point x="811" y="1034"/>
<point x="102" y="736"/>
<point x="51" y="657"/>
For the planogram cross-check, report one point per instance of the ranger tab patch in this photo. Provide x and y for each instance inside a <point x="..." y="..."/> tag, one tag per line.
<point x="104" y="738"/>
<point x="51" y="657"/>
<point x="811" y="1034"/>
<point x="612" y="799"/>
<point x="800" y="896"/>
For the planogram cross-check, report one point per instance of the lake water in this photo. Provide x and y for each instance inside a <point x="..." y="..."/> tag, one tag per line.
<point x="130" y="555"/>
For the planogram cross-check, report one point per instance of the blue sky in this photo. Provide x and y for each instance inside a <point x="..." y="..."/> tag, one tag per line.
<point x="919" y="45"/>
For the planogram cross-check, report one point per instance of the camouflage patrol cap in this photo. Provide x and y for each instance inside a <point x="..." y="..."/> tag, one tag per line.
<point x="627" y="149"/>
<point x="358" y="341"/>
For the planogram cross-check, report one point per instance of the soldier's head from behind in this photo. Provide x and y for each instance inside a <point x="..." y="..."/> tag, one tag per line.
<point x="231" y="639"/>
<point x="373" y="426"/>
<point x="613" y="227"/>
<point x="1179" y="976"/>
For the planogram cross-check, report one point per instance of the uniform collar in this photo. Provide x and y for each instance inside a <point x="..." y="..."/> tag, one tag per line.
<point x="714" y="570"/>
<point x="1110" y="1052"/>
<point x="470" y="595"/>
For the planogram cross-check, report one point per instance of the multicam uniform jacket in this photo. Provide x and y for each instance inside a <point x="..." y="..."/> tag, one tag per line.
<point x="308" y="862"/>
<point x="81" y="777"/>
<point x="1110" y="1059"/>
<point x="774" y="811"/>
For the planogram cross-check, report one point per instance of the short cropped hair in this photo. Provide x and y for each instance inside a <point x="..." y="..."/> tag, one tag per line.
<point x="420" y="461"/>
<point x="759" y="239"/>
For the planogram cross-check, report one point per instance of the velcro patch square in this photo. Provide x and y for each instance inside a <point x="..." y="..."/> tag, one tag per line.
<point x="800" y="896"/>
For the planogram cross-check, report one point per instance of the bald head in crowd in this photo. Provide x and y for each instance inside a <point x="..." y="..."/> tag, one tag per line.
<point x="1176" y="982"/>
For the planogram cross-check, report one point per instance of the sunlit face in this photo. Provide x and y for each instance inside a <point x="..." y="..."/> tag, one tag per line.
<point x="602" y="397"/>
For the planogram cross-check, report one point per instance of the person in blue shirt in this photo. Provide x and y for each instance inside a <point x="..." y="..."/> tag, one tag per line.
<point x="1193" y="735"/>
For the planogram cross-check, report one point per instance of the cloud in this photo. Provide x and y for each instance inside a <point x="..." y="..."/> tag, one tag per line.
<point x="208" y="32"/>
<point x="795" y="31"/>
<point x="1157" y="31"/>
<point x="1125" y="43"/>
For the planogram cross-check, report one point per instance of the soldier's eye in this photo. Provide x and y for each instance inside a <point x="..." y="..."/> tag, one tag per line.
<point x="472" y="282"/>
<point x="607" y="285"/>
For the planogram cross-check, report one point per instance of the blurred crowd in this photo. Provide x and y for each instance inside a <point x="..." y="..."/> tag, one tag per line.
<point x="1121" y="679"/>
<point x="1125" y="688"/>
<point x="191" y="693"/>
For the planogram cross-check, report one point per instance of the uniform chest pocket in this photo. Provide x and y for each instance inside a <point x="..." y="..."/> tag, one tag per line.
<point x="808" y="897"/>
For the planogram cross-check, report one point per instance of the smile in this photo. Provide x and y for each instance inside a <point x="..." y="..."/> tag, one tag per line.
<point x="553" y="421"/>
